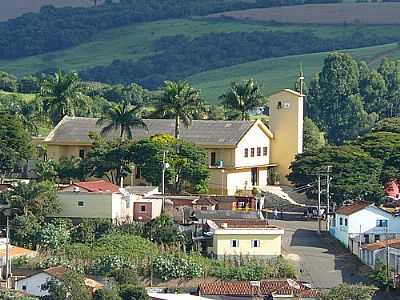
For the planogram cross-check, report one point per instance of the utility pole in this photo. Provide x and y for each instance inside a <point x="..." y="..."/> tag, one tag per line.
<point x="319" y="202"/>
<point x="8" y="265"/>
<point x="328" y="181"/>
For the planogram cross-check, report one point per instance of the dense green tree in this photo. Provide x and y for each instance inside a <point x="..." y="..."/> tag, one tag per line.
<point x="215" y="112"/>
<point x="122" y="117"/>
<point x="29" y="84"/>
<point x="25" y="231"/>
<point x="14" y="295"/>
<point x="46" y="170"/>
<point x="379" y="144"/>
<point x="163" y="230"/>
<point x="107" y="294"/>
<point x="355" y="174"/>
<point x="391" y="166"/>
<point x="110" y="159"/>
<point x="125" y="276"/>
<point x="188" y="163"/>
<point x="390" y="71"/>
<point x="71" y="287"/>
<point x="181" y="102"/>
<point x="69" y="168"/>
<point x="388" y="125"/>
<point x="15" y="145"/>
<point x="37" y="198"/>
<point x="56" y="234"/>
<point x="62" y="96"/>
<point x="354" y="292"/>
<point x="133" y="292"/>
<point x="312" y="137"/>
<point x="241" y="98"/>
<point x="341" y="108"/>
<point x="8" y="82"/>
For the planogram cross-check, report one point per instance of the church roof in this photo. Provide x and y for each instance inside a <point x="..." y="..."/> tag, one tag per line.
<point x="75" y="130"/>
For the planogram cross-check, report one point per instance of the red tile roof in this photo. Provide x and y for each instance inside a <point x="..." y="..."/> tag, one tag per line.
<point x="244" y="223"/>
<point x="266" y="288"/>
<point x="98" y="186"/>
<point x="352" y="208"/>
<point x="395" y="243"/>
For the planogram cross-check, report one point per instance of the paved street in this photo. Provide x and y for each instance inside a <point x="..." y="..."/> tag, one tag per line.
<point x="321" y="260"/>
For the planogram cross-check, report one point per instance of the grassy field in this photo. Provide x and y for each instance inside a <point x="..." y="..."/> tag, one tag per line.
<point x="134" y="42"/>
<point x="339" y="13"/>
<point x="279" y="73"/>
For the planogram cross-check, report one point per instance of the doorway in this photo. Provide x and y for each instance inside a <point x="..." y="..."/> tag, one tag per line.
<point x="254" y="176"/>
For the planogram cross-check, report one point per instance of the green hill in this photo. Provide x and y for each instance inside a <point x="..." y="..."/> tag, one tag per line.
<point x="279" y="73"/>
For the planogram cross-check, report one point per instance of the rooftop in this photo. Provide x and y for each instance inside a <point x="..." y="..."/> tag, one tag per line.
<point x="142" y="190"/>
<point x="266" y="288"/>
<point x="224" y="214"/>
<point x="352" y="208"/>
<point x="244" y="224"/>
<point x="97" y="186"/>
<point x="203" y="132"/>
<point x="394" y="243"/>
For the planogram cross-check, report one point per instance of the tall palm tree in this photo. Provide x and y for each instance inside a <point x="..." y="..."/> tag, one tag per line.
<point x="122" y="116"/>
<point x="180" y="101"/>
<point x="241" y="98"/>
<point x="62" y="96"/>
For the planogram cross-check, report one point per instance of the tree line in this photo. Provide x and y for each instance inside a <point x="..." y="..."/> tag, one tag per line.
<point x="59" y="28"/>
<point x="180" y="56"/>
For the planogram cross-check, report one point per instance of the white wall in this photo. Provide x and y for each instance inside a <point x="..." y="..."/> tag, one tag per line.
<point x="33" y="284"/>
<point x="254" y="138"/>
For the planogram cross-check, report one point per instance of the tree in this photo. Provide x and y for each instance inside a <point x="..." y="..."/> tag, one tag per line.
<point x="181" y="102"/>
<point x="312" y="136"/>
<point x="25" y="231"/>
<point x="356" y="175"/>
<point x="46" y="170"/>
<point x="337" y="102"/>
<point x="241" y="98"/>
<point x="188" y="162"/>
<point x="36" y="198"/>
<point x="380" y="276"/>
<point x="133" y="292"/>
<point x="8" y="82"/>
<point x="62" y="96"/>
<point x="107" y="294"/>
<point x="15" y="145"/>
<point x="390" y="71"/>
<point x="388" y="125"/>
<point x="14" y="295"/>
<point x="354" y="292"/>
<point x="123" y="117"/>
<point x="71" y="287"/>
<point x="110" y="159"/>
<point x="163" y="230"/>
<point x="56" y="234"/>
<point x="69" y="168"/>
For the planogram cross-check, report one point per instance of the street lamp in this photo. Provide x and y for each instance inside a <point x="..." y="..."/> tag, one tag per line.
<point x="8" y="212"/>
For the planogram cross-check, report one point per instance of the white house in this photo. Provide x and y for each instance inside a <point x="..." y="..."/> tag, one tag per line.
<point x="34" y="283"/>
<point x="363" y="223"/>
<point x="95" y="199"/>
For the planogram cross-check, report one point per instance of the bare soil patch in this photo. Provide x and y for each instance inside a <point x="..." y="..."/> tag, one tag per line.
<point x="342" y="13"/>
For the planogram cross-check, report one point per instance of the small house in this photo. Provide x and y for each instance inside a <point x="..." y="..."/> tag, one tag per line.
<point x="245" y="238"/>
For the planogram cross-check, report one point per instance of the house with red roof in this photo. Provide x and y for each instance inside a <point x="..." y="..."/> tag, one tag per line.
<point x="95" y="199"/>
<point x="392" y="189"/>
<point x="362" y="222"/>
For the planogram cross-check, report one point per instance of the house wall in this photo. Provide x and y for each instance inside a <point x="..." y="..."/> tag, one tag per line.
<point x="364" y="222"/>
<point x="142" y="215"/>
<point x="227" y="155"/>
<point x="121" y="206"/>
<point x="56" y="152"/>
<point x="286" y="123"/>
<point x="270" y="245"/>
<point x="97" y="205"/>
<point x="254" y="138"/>
<point x="33" y="284"/>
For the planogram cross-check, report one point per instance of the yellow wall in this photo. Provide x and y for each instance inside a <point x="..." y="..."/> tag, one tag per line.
<point x="55" y="152"/>
<point x="225" y="154"/>
<point x="286" y="124"/>
<point x="270" y="245"/>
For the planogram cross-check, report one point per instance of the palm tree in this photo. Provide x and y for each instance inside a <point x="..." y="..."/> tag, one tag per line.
<point x="180" y="101"/>
<point x="122" y="116"/>
<point x="62" y="96"/>
<point x="241" y="98"/>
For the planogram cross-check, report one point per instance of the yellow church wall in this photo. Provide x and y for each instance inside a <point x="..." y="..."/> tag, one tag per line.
<point x="286" y="122"/>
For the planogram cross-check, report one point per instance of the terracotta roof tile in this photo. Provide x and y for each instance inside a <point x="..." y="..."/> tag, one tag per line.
<point x="17" y="251"/>
<point x="98" y="186"/>
<point x="244" y="223"/>
<point x="352" y="208"/>
<point x="395" y="243"/>
<point x="267" y="287"/>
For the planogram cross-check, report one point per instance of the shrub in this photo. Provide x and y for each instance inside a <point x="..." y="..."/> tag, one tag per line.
<point x="168" y="266"/>
<point x="106" y="264"/>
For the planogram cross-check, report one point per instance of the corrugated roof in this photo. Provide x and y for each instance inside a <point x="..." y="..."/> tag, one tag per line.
<point x="203" y="132"/>
<point x="245" y="288"/>
<point x="98" y="186"/>
<point x="352" y="208"/>
<point x="394" y="243"/>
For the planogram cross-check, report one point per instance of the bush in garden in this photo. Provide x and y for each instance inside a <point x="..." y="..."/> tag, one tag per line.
<point x="125" y="276"/>
<point x="106" y="264"/>
<point x="168" y="266"/>
<point x="55" y="235"/>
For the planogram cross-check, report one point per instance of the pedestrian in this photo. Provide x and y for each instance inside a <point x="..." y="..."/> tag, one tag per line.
<point x="276" y="214"/>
